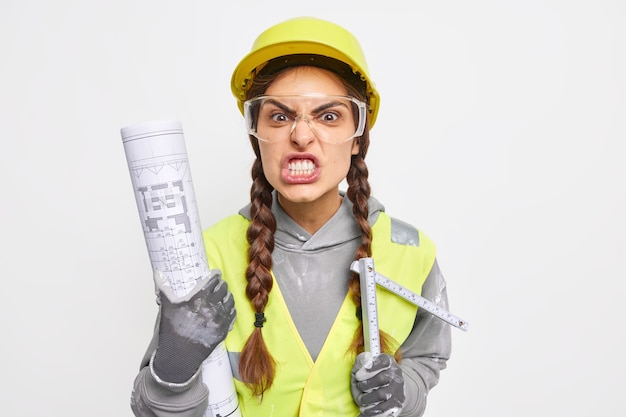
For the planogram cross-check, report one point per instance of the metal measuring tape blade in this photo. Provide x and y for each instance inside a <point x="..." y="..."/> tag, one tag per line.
<point x="369" y="279"/>
<point x="369" y="311"/>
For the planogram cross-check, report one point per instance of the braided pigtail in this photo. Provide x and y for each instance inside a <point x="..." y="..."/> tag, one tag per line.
<point x="359" y="192"/>
<point x="256" y="366"/>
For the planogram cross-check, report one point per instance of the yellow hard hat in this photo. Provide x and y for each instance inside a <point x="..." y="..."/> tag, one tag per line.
<point x="304" y="35"/>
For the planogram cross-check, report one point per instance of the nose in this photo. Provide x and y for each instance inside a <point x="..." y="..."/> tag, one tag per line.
<point x="302" y="134"/>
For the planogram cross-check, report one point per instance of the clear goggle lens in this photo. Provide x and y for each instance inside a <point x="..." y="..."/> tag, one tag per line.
<point x="332" y="119"/>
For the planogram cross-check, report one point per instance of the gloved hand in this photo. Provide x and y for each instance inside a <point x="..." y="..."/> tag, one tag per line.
<point x="377" y="385"/>
<point x="191" y="326"/>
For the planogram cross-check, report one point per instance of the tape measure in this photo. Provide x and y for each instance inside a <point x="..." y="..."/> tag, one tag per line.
<point x="369" y="310"/>
<point x="369" y="279"/>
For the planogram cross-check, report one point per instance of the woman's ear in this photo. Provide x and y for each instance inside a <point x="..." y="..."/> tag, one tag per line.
<point x="355" y="147"/>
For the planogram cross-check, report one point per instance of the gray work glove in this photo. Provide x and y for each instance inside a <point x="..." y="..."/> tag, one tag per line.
<point x="191" y="326"/>
<point x="377" y="385"/>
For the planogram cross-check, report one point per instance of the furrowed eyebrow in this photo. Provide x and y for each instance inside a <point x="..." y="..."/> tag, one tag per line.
<point x="319" y="109"/>
<point x="279" y="104"/>
<point x="327" y="106"/>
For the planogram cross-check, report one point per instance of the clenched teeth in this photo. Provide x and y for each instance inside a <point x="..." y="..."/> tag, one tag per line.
<point x="301" y="167"/>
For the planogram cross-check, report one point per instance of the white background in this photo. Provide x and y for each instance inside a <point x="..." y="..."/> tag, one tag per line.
<point x="500" y="135"/>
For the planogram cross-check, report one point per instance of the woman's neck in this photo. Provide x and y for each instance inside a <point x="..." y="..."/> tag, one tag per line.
<point x="311" y="216"/>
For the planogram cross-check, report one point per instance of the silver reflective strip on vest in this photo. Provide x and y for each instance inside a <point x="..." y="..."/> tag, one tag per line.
<point x="403" y="233"/>
<point x="233" y="357"/>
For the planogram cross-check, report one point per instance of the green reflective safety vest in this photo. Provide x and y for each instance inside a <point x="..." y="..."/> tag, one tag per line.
<point x="302" y="387"/>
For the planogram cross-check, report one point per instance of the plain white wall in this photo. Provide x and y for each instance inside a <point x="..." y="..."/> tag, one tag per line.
<point x="499" y="135"/>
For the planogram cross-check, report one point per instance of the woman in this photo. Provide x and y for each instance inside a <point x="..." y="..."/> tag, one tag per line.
<point x="296" y="344"/>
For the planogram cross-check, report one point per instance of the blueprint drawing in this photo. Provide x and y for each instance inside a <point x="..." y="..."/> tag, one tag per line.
<point x="159" y="170"/>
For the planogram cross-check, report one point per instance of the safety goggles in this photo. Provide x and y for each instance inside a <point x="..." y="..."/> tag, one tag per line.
<point x="332" y="119"/>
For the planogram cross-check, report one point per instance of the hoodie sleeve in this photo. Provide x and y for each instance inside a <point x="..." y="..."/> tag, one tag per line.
<point x="427" y="349"/>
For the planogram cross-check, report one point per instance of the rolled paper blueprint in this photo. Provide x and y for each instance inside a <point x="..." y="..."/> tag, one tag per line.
<point x="161" y="178"/>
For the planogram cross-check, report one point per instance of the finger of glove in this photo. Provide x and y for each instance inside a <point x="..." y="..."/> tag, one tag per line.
<point x="205" y="319"/>
<point x="197" y="322"/>
<point x="212" y="287"/>
<point x="363" y="359"/>
<point x="219" y="296"/>
<point x="380" y="363"/>
<point x="164" y="286"/>
<point x="215" y="302"/>
<point x="228" y="308"/>
<point x="389" y="377"/>
<point x="215" y="290"/>
<point x="372" y="395"/>
<point x="381" y="410"/>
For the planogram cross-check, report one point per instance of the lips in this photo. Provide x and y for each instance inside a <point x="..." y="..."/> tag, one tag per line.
<point x="300" y="169"/>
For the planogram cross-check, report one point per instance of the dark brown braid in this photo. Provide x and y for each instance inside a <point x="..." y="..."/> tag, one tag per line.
<point x="359" y="192"/>
<point x="256" y="366"/>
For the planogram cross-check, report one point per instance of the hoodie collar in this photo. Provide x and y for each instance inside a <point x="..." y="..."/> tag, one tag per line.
<point x="340" y="228"/>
